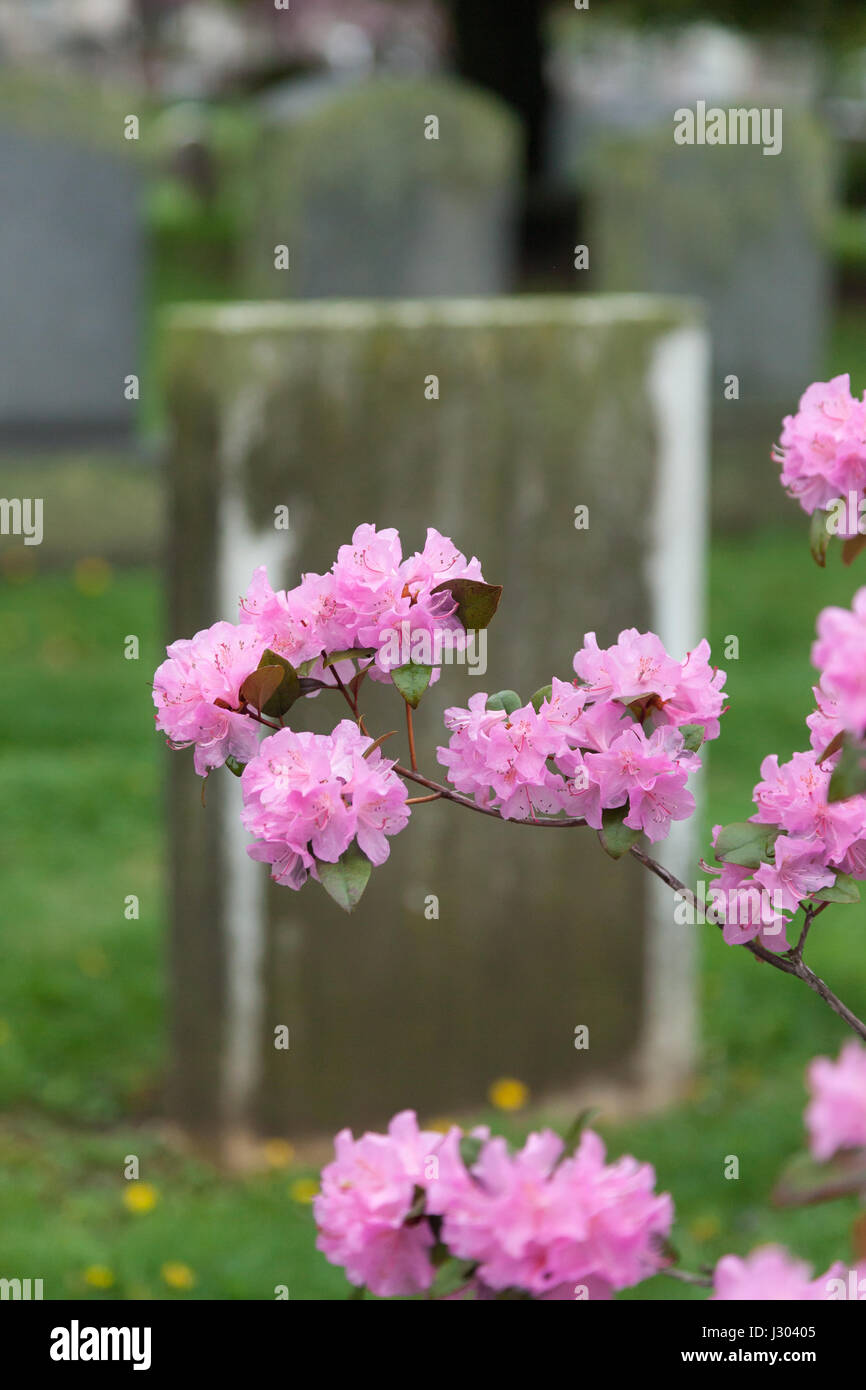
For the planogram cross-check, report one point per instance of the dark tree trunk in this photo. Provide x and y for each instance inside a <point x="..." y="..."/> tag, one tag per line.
<point x="499" y="46"/>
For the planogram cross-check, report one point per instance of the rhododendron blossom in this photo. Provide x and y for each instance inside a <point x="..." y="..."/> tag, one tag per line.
<point x="836" y="1115"/>
<point x="308" y="796"/>
<point x="614" y="740"/>
<point x="211" y="667"/>
<point x="822" y="448"/>
<point x="840" y="656"/>
<point x="363" y="1208"/>
<point x="772" y="1273"/>
<point x="537" y="1221"/>
<point x="369" y="595"/>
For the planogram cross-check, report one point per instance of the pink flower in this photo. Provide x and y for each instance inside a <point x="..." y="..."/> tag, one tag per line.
<point x="798" y="871"/>
<point x="371" y="598"/>
<point x="602" y="755"/>
<point x="698" y="697"/>
<point x="501" y="758"/>
<point x="770" y="1272"/>
<point x="211" y="666"/>
<point x="393" y="601"/>
<point x="634" y="761"/>
<point x="840" y="656"/>
<point x="824" y="722"/>
<point x="636" y="666"/>
<point x="302" y="623"/>
<point x="652" y="811"/>
<point x="308" y="796"/>
<point x="823" y="447"/>
<point x="836" y="1115"/>
<point x="363" y="1210"/>
<point x="536" y="1221"/>
<point x="794" y="796"/>
<point x="746" y="910"/>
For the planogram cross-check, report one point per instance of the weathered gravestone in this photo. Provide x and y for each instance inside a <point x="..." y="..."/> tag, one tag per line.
<point x="388" y="188"/>
<point x="71" y="264"/>
<point x="746" y="233"/>
<point x="545" y="404"/>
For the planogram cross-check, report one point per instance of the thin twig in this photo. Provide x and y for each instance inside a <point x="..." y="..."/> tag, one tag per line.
<point x="410" y="732"/>
<point x="352" y="703"/>
<point x="788" y="964"/>
<point x="702" y="1281"/>
<point x="260" y="719"/>
<point x="471" y="805"/>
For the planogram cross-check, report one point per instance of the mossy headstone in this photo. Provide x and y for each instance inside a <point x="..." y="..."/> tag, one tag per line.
<point x="391" y="187"/>
<point x="71" y="262"/>
<point x="545" y="405"/>
<point x="748" y="234"/>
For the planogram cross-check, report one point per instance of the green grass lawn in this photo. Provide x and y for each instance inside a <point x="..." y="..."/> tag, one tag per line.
<point x="81" y="992"/>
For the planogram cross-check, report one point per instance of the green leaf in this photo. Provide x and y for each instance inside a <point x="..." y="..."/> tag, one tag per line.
<point x="693" y="736"/>
<point x="412" y="681"/>
<point x="347" y="879"/>
<point x="615" y="837"/>
<point x="451" y="1275"/>
<point x="538" y="699"/>
<point x="260" y="685"/>
<point x="804" y="1182"/>
<point x="571" y="1138"/>
<point x="234" y="766"/>
<point x="819" y="538"/>
<point x="509" y="700"/>
<point x="417" y="1210"/>
<point x="307" y="684"/>
<point x="476" y="602"/>
<point x="348" y="653"/>
<point x="287" y="691"/>
<point x="844" y="890"/>
<point x="745" y="843"/>
<point x="849" y="774"/>
<point x="470" y="1150"/>
<point x="833" y="746"/>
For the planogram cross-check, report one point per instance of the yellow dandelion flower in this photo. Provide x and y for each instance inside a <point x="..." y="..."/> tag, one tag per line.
<point x="277" y="1153"/>
<point x="93" y="962"/>
<point x="177" y="1275"/>
<point x="508" y="1094"/>
<point x="303" y="1190"/>
<point x="92" y="576"/>
<point x="98" y="1277"/>
<point x="140" y="1197"/>
<point x="705" y="1227"/>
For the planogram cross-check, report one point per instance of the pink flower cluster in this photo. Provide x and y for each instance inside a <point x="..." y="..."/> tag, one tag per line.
<point x="820" y="839"/>
<point x="836" y="1115"/>
<point x="370" y="598"/>
<point x="308" y="796"/>
<point x="535" y="1221"/>
<point x="369" y="593"/>
<point x="772" y="1273"/>
<point x="614" y="737"/>
<point x="211" y="666"/>
<point x="840" y="656"/>
<point x="822" y="448"/>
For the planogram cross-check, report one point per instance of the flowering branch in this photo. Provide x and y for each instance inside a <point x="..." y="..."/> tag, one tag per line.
<point x="612" y="749"/>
